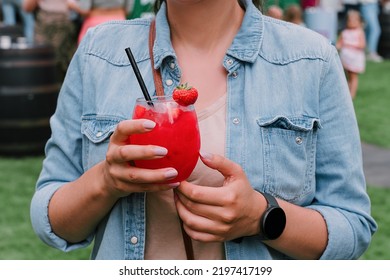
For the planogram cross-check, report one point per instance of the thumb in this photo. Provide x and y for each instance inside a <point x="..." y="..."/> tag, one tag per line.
<point x="225" y="166"/>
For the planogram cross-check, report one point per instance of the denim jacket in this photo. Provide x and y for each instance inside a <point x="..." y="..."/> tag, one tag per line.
<point x="290" y="124"/>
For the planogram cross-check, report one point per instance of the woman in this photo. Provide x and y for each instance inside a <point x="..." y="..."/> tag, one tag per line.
<point x="351" y="44"/>
<point x="95" y="12"/>
<point x="287" y="131"/>
<point x="53" y="26"/>
<point x="294" y="14"/>
<point x="369" y="10"/>
<point x="13" y="8"/>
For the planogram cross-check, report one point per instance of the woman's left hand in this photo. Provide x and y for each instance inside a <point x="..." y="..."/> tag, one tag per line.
<point x="217" y="214"/>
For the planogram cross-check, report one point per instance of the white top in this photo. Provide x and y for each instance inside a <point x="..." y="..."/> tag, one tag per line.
<point x="162" y="222"/>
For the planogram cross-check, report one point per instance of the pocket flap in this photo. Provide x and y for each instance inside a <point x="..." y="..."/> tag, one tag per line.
<point x="99" y="128"/>
<point x="296" y="123"/>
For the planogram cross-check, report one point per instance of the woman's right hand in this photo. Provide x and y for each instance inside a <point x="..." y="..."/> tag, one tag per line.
<point x="120" y="174"/>
<point x="78" y="207"/>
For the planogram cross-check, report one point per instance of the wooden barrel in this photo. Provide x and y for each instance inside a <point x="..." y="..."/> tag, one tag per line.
<point x="29" y="88"/>
<point x="384" y="41"/>
<point x="13" y="31"/>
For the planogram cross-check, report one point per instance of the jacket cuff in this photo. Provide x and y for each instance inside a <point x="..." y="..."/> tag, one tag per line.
<point x="39" y="215"/>
<point x="341" y="238"/>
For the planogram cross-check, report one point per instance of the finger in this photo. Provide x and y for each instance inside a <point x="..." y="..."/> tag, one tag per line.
<point x="130" y="174"/>
<point x="225" y="166"/>
<point x="222" y="210"/>
<point x="193" y="221"/>
<point x="126" y="153"/>
<point x="150" y="187"/>
<point x="203" y="236"/>
<point x="194" y="194"/>
<point x="125" y="189"/>
<point x="203" y="203"/>
<point x="128" y="127"/>
<point x="198" y="227"/>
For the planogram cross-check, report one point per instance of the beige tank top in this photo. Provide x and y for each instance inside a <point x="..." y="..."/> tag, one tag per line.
<point x="163" y="232"/>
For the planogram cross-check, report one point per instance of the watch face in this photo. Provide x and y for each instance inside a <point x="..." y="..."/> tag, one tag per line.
<point x="274" y="223"/>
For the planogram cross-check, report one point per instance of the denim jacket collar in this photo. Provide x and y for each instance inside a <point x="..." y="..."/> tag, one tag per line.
<point x="245" y="46"/>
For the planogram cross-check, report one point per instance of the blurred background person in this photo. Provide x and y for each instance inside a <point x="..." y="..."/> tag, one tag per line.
<point x="141" y="9"/>
<point x="95" y="12"/>
<point x="293" y="13"/>
<point x="334" y="5"/>
<point x="351" y="44"/>
<point x="53" y="26"/>
<point x="322" y="17"/>
<point x="75" y="17"/>
<point x="369" y="10"/>
<point x="305" y="4"/>
<point x="13" y="8"/>
<point x="275" y="11"/>
<point x="385" y="6"/>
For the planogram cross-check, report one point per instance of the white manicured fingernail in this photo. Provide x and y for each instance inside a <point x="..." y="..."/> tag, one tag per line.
<point x="170" y="173"/>
<point x="160" y="151"/>
<point x="206" y="155"/>
<point x="149" y="124"/>
<point x="174" y="185"/>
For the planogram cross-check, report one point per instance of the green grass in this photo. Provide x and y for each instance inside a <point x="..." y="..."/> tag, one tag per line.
<point x="380" y="245"/>
<point x="18" y="176"/>
<point x="19" y="242"/>
<point x="372" y="104"/>
<point x="17" y="239"/>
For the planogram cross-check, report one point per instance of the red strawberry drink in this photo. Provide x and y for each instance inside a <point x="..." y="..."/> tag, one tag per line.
<point x="176" y="129"/>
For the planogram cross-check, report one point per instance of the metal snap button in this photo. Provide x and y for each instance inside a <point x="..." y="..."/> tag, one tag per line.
<point x="99" y="134"/>
<point x="236" y="120"/>
<point x="169" y="82"/>
<point x="134" y="240"/>
<point x="298" y="140"/>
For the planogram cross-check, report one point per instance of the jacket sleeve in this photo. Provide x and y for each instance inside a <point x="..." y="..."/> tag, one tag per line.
<point x="63" y="161"/>
<point x="341" y="195"/>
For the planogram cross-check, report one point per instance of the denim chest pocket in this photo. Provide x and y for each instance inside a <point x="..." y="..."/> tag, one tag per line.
<point x="289" y="147"/>
<point x="96" y="132"/>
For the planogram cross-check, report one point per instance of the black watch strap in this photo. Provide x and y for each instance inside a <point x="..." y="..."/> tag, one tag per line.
<point x="273" y="218"/>
<point x="270" y="200"/>
<point x="273" y="221"/>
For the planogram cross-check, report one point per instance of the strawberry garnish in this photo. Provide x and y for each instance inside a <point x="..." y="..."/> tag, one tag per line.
<point x="185" y="95"/>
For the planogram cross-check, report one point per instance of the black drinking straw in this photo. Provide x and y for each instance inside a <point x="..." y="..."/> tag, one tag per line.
<point x="139" y="77"/>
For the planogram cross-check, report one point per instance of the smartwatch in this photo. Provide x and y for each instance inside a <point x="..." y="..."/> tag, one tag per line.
<point x="273" y="221"/>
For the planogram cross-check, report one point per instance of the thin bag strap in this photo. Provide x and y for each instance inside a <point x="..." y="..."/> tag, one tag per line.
<point x="187" y="243"/>
<point x="156" y="74"/>
<point x="160" y="92"/>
